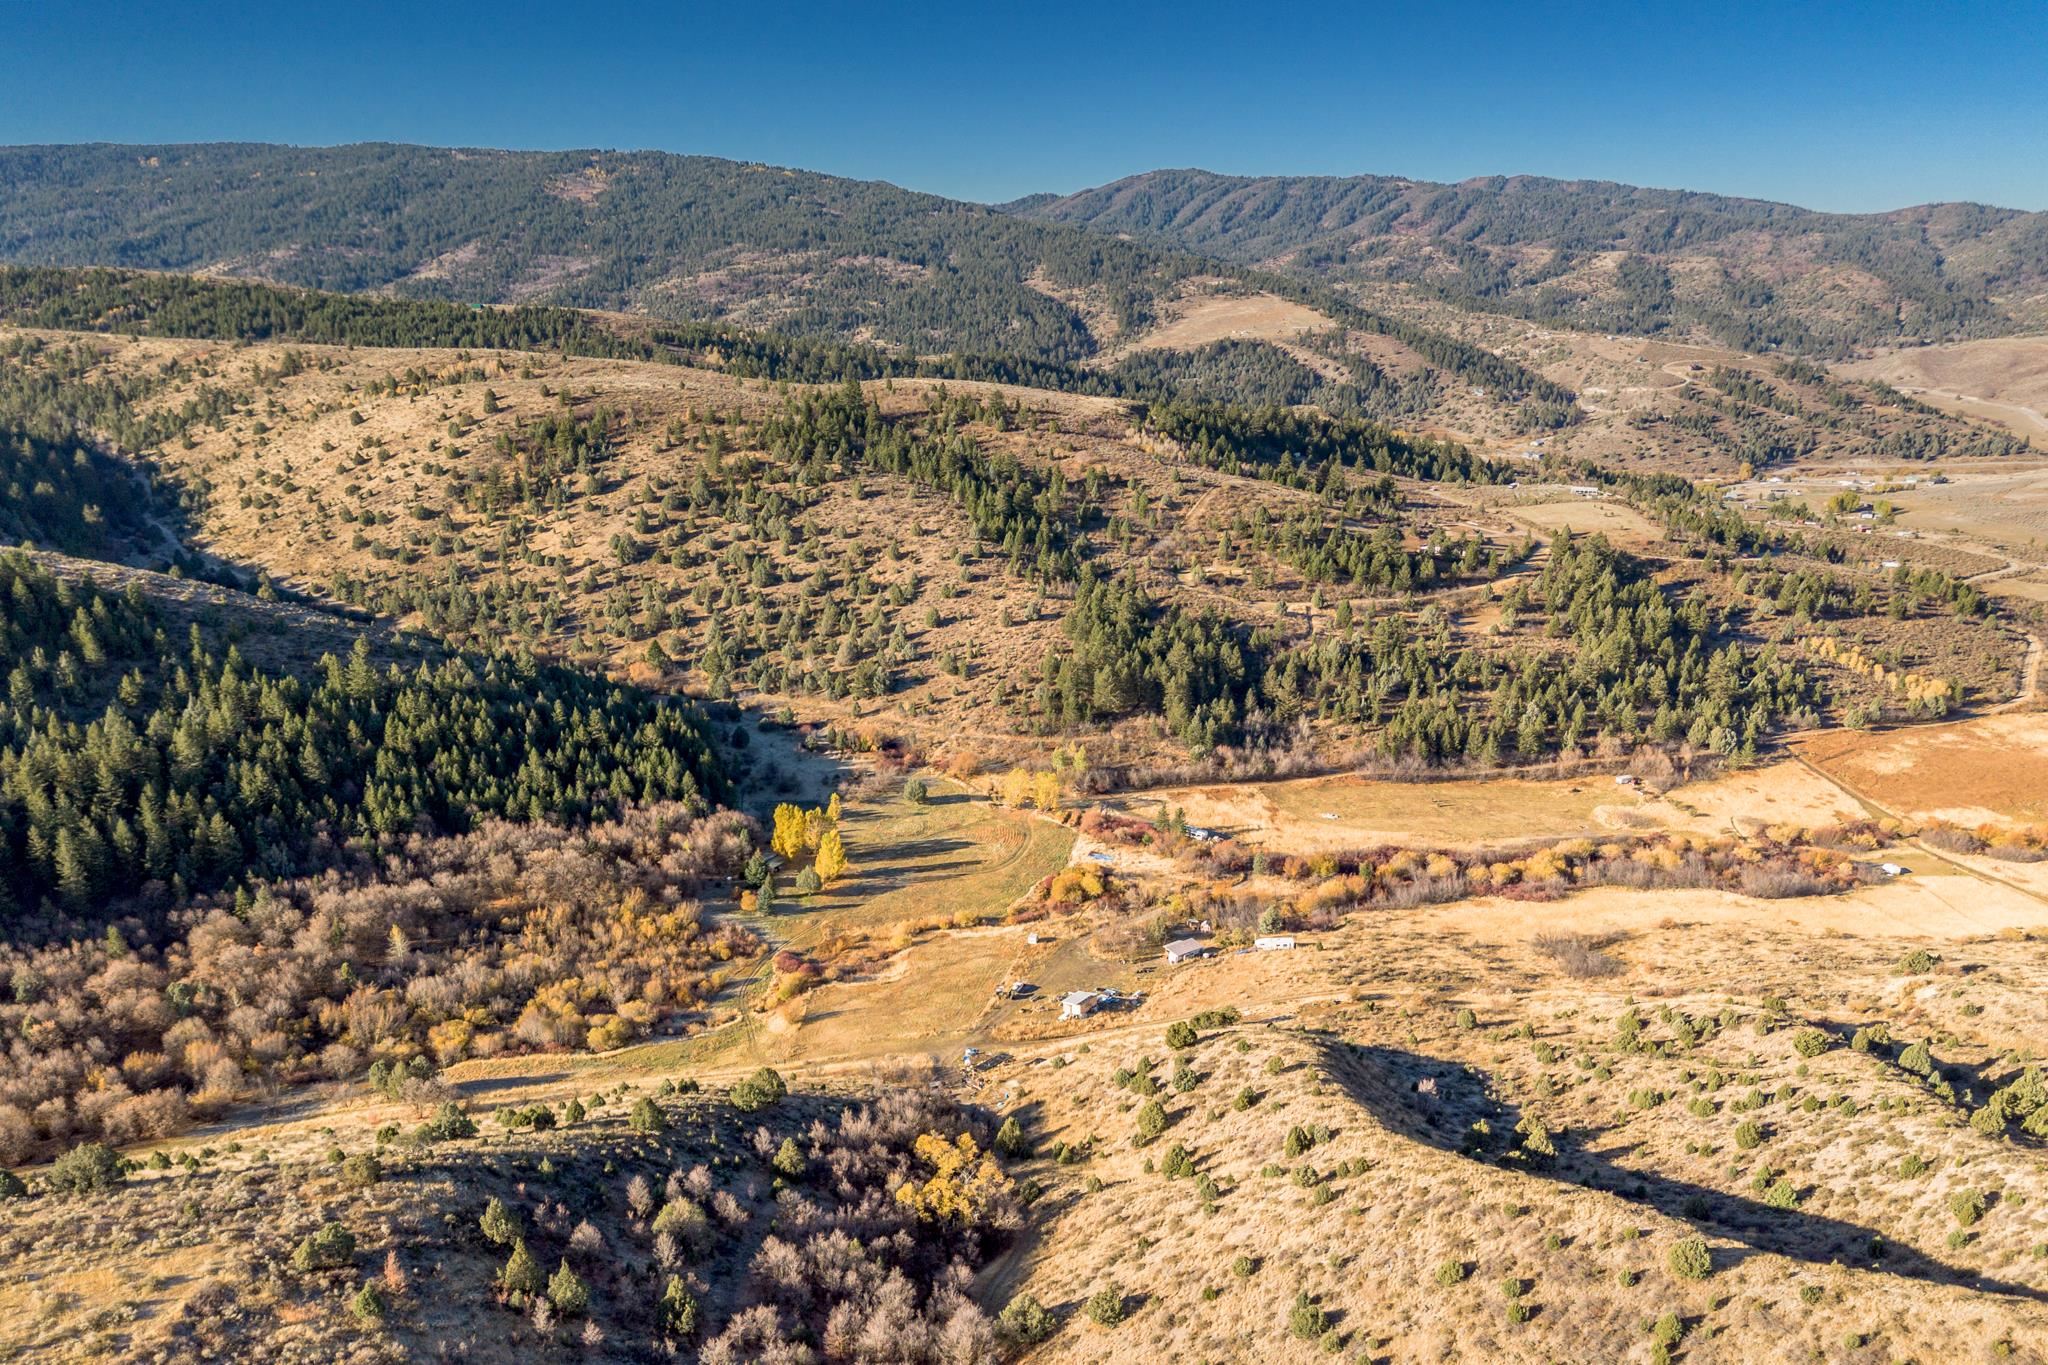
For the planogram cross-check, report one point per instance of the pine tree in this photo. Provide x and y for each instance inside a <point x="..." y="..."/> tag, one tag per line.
<point x="521" y="1274"/>
<point x="499" y="1223"/>
<point x="678" y="1308"/>
<point x="567" y="1292"/>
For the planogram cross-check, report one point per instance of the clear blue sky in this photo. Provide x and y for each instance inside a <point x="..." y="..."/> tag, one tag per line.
<point x="1836" y="106"/>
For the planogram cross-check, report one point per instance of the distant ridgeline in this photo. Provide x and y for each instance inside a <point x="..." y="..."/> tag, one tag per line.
<point x="135" y="769"/>
<point x="1752" y="274"/>
<point x="667" y="236"/>
<point x="145" y="304"/>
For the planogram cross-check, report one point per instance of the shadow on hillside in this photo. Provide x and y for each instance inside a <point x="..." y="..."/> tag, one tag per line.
<point x="1436" y="1103"/>
<point x="487" y="1085"/>
<point x="918" y="857"/>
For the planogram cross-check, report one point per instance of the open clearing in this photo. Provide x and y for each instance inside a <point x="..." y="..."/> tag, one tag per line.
<point x="2004" y="508"/>
<point x="1349" y="812"/>
<point x="1974" y="772"/>
<point x="959" y="854"/>
<point x="2000" y="379"/>
<point x="1584" y="516"/>
<point x="1253" y="317"/>
<point x="1744" y="801"/>
<point x="1313" y="814"/>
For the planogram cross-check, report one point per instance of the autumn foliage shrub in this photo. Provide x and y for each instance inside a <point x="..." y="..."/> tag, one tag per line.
<point x="512" y="938"/>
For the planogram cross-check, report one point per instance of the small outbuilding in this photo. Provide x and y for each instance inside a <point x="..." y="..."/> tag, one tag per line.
<point x="1079" y="1004"/>
<point x="1182" y="949"/>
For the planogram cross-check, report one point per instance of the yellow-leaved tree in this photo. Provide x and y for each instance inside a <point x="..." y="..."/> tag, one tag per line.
<point x="814" y="827"/>
<point x="965" y="1183"/>
<point x="831" y="856"/>
<point x="1045" y="790"/>
<point x="788" y="838"/>
<point x="832" y="809"/>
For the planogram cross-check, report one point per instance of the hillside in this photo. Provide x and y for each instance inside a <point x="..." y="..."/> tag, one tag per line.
<point x="728" y="700"/>
<point x="970" y="563"/>
<point x="1608" y="257"/>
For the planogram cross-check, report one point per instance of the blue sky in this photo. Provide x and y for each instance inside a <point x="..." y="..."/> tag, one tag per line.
<point x="1836" y="106"/>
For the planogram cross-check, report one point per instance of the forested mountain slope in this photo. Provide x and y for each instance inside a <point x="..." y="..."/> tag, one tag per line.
<point x="1608" y="256"/>
<point x="690" y="240"/>
<point x="676" y="236"/>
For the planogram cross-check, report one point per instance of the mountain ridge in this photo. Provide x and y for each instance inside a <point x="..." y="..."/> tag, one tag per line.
<point x="1054" y="277"/>
<point x="1749" y="272"/>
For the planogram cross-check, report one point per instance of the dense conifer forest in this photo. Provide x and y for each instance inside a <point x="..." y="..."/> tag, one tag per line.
<point x="138" y="766"/>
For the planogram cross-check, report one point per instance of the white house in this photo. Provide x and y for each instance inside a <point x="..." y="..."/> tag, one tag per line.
<point x="1181" y="949"/>
<point x="1078" y="1004"/>
<point x="1274" y="943"/>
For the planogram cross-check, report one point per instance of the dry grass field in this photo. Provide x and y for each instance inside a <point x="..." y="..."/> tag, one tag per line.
<point x="1204" y="318"/>
<point x="1995" y="769"/>
<point x="1586" y="516"/>
<point x="1352" y="812"/>
<point x="1999" y="379"/>
<point x="1415" y="1229"/>
<point x="2003" y="509"/>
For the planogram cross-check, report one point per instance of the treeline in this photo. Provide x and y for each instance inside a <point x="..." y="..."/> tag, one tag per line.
<point x="1505" y="379"/>
<point x="1506" y="244"/>
<point x="1815" y="596"/>
<point x="59" y="391"/>
<point x="131" y="769"/>
<point x="1131" y="654"/>
<point x="1254" y="373"/>
<point x="62" y="414"/>
<point x="1324" y="552"/>
<point x="1309" y="450"/>
<point x="828" y="255"/>
<point x="1242" y="372"/>
<point x="137" y="303"/>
